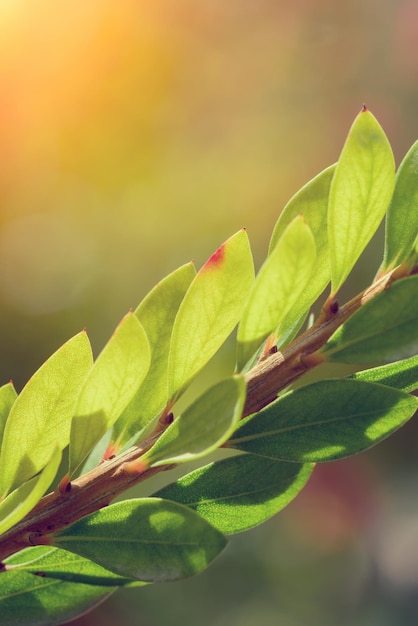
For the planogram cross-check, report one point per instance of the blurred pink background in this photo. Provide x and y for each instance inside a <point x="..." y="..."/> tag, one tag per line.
<point x="135" y="136"/>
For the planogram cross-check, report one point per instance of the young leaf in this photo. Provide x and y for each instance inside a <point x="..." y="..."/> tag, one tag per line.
<point x="278" y="287"/>
<point x="62" y="565"/>
<point x="22" y="500"/>
<point x="156" y="313"/>
<point x="41" y="415"/>
<point x="324" y="421"/>
<point x="402" y="375"/>
<point x="203" y="427"/>
<point x="402" y="214"/>
<point x="241" y="492"/>
<point x="28" y="599"/>
<point x="311" y="202"/>
<point x="210" y="310"/>
<point x="7" y="397"/>
<point x="147" y="539"/>
<point x="384" y="329"/>
<point x="113" y="380"/>
<point x="360" y="193"/>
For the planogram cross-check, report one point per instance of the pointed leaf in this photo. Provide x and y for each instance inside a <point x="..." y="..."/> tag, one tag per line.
<point x="7" y="397"/>
<point x="156" y="313"/>
<point x="113" y="380"/>
<point x="278" y="287"/>
<point x="241" y="492"/>
<point x="203" y="427"/>
<point x="360" y="193"/>
<point x="402" y="375"/>
<point x="147" y="539"/>
<point x="210" y="310"/>
<point x="28" y="599"/>
<point x="402" y="215"/>
<point x="384" y="329"/>
<point x="324" y="421"/>
<point x="311" y="202"/>
<point x="41" y="415"/>
<point x="59" y="564"/>
<point x="23" y="499"/>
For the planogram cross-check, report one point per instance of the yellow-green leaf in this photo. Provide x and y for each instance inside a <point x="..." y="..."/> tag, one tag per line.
<point x="360" y="193"/>
<point x="42" y="413"/>
<point x="112" y="382"/>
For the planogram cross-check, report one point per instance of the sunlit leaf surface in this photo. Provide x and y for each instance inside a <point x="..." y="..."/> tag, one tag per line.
<point x="156" y="313"/>
<point x="150" y="539"/>
<point x="402" y="215"/>
<point x="50" y="562"/>
<point x="279" y="285"/>
<point x="241" y="492"/>
<point x="210" y="310"/>
<point x="324" y="421"/>
<point x="41" y="415"/>
<point x="384" y="329"/>
<point x="7" y="396"/>
<point x="360" y="193"/>
<point x="113" y="380"/>
<point x="26" y="599"/>
<point x="22" y="500"/>
<point x="203" y="427"/>
<point x="402" y="375"/>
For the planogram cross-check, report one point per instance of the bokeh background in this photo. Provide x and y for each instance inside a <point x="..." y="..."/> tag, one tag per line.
<point x="135" y="136"/>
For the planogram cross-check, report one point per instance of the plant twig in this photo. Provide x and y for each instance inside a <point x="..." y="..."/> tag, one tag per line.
<point x="97" y="488"/>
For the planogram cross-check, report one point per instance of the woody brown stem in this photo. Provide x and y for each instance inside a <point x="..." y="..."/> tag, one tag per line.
<point x="101" y="485"/>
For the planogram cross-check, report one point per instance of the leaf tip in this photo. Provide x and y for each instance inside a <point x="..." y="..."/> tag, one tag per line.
<point x="216" y="259"/>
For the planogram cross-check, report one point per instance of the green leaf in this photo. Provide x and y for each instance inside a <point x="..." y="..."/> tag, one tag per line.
<point x="311" y="201"/>
<point x="360" y="193"/>
<point x="22" y="500"/>
<point x="402" y="215"/>
<point x="402" y="375"/>
<point x="324" y="421"/>
<point x="62" y="565"/>
<point x="27" y="599"/>
<point x="147" y="539"/>
<point x="7" y="397"/>
<point x="240" y="492"/>
<point x="384" y="329"/>
<point x="41" y="415"/>
<point x="156" y="313"/>
<point x="112" y="382"/>
<point x="203" y="427"/>
<point x="278" y="287"/>
<point x="210" y="310"/>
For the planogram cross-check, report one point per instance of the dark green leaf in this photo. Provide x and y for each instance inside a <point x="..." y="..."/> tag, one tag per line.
<point x="28" y="600"/>
<point x="241" y="492"/>
<point x="360" y="193"/>
<point x="148" y="539"/>
<point x="203" y="427"/>
<point x="51" y="562"/>
<point x="324" y="421"/>
<point x="384" y="329"/>
<point x="402" y="215"/>
<point x="402" y="375"/>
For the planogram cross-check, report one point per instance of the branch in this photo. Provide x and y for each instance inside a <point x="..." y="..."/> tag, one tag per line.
<point x="97" y="488"/>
